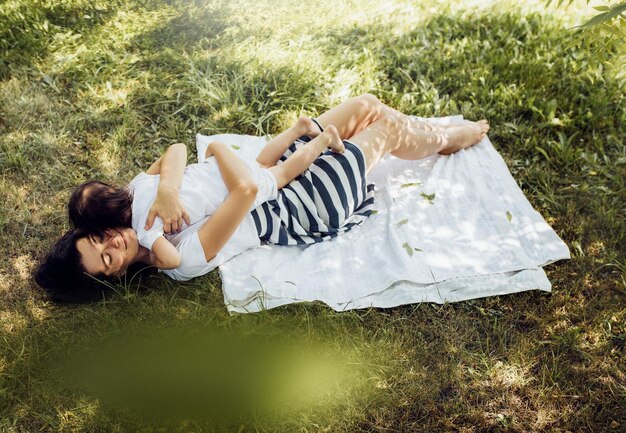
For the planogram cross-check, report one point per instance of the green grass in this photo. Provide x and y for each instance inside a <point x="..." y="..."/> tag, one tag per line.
<point x="98" y="89"/>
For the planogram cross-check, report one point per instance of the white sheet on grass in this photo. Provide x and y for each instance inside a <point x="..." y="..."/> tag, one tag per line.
<point x="447" y="228"/>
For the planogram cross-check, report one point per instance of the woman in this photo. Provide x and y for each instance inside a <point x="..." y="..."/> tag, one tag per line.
<point x="95" y="206"/>
<point x="327" y="200"/>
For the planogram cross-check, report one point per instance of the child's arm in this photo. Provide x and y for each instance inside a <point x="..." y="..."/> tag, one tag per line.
<point x="164" y="255"/>
<point x="167" y="206"/>
<point x="274" y="149"/>
<point x="302" y="158"/>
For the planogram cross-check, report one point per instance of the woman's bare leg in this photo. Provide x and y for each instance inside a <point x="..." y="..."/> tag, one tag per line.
<point x="468" y="138"/>
<point x="357" y="113"/>
<point x="302" y="158"/>
<point x="399" y="137"/>
<point x="276" y="147"/>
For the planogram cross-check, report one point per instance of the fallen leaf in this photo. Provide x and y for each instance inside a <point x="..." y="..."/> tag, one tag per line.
<point x="234" y="146"/>
<point x="429" y="197"/>
<point x="404" y="221"/>
<point x="408" y="249"/>
<point x="404" y="185"/>
<point x="509" y="216"/>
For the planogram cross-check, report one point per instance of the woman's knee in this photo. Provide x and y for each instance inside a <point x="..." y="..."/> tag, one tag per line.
<point x="369" y="102"/>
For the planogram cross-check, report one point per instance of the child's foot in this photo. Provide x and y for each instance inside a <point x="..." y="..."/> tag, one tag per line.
<point x="464" y="136"/>
<point x="306" y="126"/>
<point x="333" y="140"/>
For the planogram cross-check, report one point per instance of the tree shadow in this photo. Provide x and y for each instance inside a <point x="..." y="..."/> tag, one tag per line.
<point x="195" y="28"/>
<point x="28" y="29"/>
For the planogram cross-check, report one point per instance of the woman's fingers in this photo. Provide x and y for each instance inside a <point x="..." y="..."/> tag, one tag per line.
<point x="172" y="216"/>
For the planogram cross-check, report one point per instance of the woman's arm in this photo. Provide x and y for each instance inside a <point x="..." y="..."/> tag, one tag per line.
<point x="242" y="191"/>
<point x="167" y="206"/>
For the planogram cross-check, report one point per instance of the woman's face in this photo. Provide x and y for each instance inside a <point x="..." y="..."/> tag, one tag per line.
<point x="111" y="254"/>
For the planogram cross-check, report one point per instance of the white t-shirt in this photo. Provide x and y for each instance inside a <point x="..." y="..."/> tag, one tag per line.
<point x="202" y="191"/>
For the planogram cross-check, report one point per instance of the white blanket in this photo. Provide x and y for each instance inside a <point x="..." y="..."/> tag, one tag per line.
<point x="447" y="228"/>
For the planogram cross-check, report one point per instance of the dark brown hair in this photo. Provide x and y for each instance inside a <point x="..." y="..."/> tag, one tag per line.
<point x="96" y="206"/>
<point x="62" y="275"/>
<point x="65" y="280"/>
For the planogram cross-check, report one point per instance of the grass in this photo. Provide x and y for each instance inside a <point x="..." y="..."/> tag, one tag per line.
<point x="98" y="89"/>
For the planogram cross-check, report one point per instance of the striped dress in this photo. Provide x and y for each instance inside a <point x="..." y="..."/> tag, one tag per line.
<point x="329" y="198"/>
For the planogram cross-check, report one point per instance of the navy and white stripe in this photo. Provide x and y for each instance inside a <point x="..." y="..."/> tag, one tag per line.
<point x="329" y="198"/>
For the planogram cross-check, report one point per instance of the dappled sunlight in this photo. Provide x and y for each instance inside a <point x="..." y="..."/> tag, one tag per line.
<point x="12" y="322"/>
<point x="222" y="114"/>
<point x="546" y="417"/>
<point x="19" y="197"/>
<point x="80" y="417"/>
<point x="23" y="265"/>
<point x="346" y="84"/>
<point x="280" y="23"/>
<point x="17" y="137"/>
<point x="310" y="62"/>
<point x="109" y="96"/>
<point x="571" y="14"/>
<point x="13" y="150"/>
<point x="37" y="311"/>
<point x="277" y="54"/>
<point x="108" y="158"/>
<point x="504" y="392"/>
<point x="596" y="248"/>
<point x="5" y="283"/>
<point x="286" y="118"/>
<point x="510" y="375"/>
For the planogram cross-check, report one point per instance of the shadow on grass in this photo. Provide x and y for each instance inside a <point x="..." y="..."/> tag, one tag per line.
<point x="510" y="69"/>
<point x="28" y="28"/>
<point x="194" y="28"/>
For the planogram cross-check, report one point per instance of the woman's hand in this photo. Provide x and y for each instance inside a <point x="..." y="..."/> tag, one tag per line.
<point x="168" y="207"/>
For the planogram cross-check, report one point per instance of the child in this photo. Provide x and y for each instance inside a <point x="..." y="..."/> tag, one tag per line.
<point x="96" y="206"/>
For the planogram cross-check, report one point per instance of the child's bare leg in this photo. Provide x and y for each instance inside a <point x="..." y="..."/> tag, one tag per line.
<point x="275" y="148"/>
<point x="302" y="158"/>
